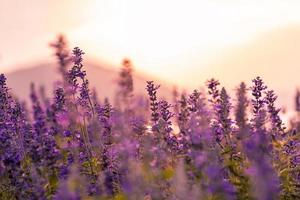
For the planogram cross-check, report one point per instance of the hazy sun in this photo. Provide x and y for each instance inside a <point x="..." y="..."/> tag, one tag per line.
<point x="160" y="35"/>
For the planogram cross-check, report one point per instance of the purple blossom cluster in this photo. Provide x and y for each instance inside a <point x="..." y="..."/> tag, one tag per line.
<point x="203" y="145"/>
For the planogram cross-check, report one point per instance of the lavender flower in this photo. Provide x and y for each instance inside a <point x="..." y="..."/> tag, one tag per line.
<point x="212" y="86"/>
<point x="241" y="107"/>
<point x="60" y="100"/>
<point x="183" y="115"/>
<point x="74" y="75"/>
<point x="76" y="71"/>
<point x="258" y="103"/>
<point x="126" y="83"/>
<point x="62" y="53"/>
<point x="221" y="125"/>
<point x="277" y="124"/>
<point x="223" y="110"/>
<point x="166" y="115"/>
<point x="109" y="162"/>
<point x="44" y="151"/>
<point x="265" y="182"/>
<point x="152" y="90"/>
<point x="12" y="149"/>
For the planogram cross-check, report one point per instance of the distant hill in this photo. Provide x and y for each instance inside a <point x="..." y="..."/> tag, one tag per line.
<point x="101" y="78"/>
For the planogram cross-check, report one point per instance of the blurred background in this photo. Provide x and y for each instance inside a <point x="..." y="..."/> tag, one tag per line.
<point x="180" y="42"/>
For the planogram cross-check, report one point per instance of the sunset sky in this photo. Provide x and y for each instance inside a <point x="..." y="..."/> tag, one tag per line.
<point x="178" y="40"/>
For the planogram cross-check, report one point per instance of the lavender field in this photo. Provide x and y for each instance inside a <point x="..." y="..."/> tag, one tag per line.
<point x="200" y="145"/>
